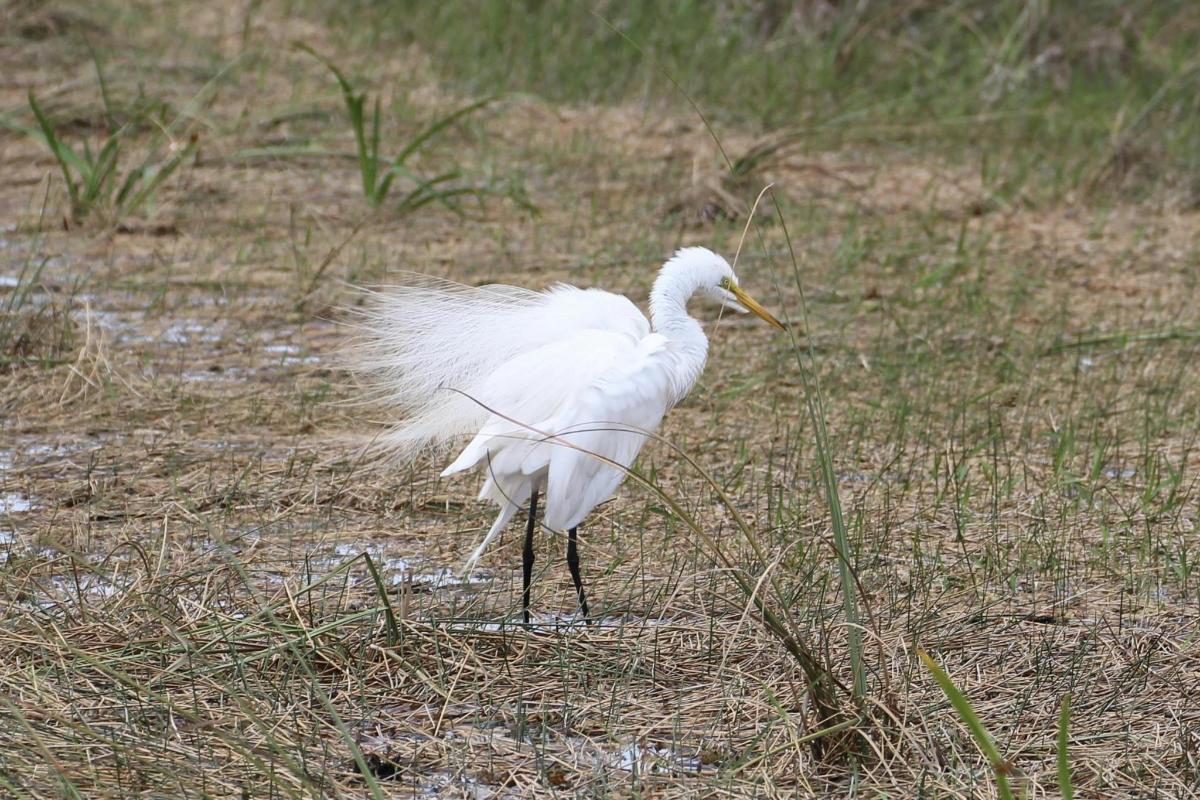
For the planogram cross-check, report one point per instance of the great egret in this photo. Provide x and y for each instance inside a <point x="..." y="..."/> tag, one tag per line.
<point x="559" y="388"/>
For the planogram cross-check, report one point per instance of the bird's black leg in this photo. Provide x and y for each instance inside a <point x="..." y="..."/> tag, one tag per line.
<point x="527" y="555"/>
<point x="573" y="565"/>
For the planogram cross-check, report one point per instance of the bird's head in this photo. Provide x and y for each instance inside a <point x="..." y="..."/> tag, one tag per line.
<point x="715" y="279"/>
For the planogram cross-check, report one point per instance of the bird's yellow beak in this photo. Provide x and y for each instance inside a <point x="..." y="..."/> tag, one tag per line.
<point x="752" y="305"/>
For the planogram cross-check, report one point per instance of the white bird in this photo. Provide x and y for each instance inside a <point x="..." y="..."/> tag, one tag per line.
<point x="559" y="389"/>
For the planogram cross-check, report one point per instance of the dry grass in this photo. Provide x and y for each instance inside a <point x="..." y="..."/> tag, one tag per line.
<point x="183" y="502"/>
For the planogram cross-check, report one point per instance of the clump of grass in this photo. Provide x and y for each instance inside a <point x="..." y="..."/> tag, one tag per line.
<point x="32" y="332"/>
<point x="379" y="173"/>
<point x="97" y="182"/>
<point x="759" y="586"/>
<point x="94" y="180"/>
<point x="815" y="404"/>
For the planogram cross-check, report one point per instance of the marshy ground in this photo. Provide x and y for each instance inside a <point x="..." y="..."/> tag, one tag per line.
<point x="208" y="590"/>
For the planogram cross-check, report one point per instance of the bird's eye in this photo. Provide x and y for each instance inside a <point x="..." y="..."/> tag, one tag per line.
<point x="726" y="284"/>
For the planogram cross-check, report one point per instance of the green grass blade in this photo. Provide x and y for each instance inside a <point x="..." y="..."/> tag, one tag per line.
<point x="1123" y="339"/>
<point x="110" y="118"/>
<point x="370" y="160"/>
<point x="354" y="109"/>
<point x="841" y="538"/>
<point x="100" y="177"/>
<point x="131" y="180"/>
<point x="58" y="148"/>
<point x="429" y="190"/>
<point x="967" y="714"/>
<point x="157" y="176"/>
<point x="437" y="127"/>
<point x="368" y="153"/>
<point x="389" y="615"/>
<point x="419" y="198"/>
<point x="385" y="185"/>
<point x="337" y="73"/>
<point x="17" y="127"/>
<point x="80" y="165"/>
<point x="1063" y="756"/>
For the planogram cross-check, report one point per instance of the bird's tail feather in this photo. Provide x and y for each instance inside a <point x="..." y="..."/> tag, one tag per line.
<point x="425" y="349"/>
<point x="506" y="513"/>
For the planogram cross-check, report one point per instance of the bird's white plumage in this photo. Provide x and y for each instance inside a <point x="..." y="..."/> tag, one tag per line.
<point x="558" y="389"/>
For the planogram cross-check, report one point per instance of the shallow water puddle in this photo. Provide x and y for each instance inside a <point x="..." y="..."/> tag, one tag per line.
<point x="191" y="331"/>
<point x="400" y="570"/>
<point x="290" y="354"/>
<point x="14" y="502"/>
<point x="570" y="623"/>
<point x="220" y="374"/>
<point x="642" y="758"/>
<point x="92" y="585"/>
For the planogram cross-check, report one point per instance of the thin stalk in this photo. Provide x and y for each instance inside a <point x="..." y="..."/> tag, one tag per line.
<point x="1063" y="756"/>
<point x="841" y="538"/>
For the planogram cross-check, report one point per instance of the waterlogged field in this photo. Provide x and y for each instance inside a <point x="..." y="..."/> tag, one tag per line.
<point x="975" y="442"/>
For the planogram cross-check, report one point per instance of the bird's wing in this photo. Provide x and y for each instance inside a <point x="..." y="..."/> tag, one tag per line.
<point x="599" y="433"/>
<point x="527" y="394"/>
<point x="573" y="309"/>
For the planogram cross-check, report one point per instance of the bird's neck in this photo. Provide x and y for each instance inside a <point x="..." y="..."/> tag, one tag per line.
<point x="687" y="345"/>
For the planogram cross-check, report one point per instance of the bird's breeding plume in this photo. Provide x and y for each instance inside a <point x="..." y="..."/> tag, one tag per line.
<point x="558" y="388"/>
